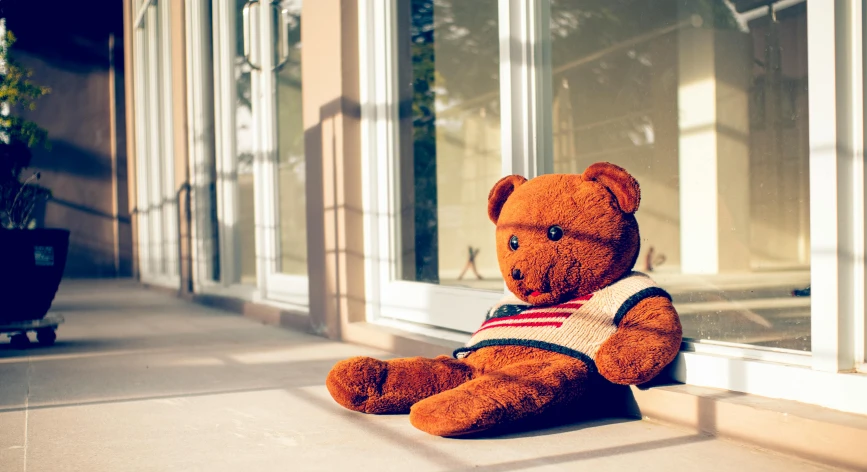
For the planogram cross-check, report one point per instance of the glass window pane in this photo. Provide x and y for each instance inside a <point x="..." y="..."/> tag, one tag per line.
<point x="169" y="207"/>
<point x="707" y="107"/>
<point x="290" y="136"/>
<point x="244" y="151"/>
<point x="450" y="141"/>
<point x="208" y="225"/>
<point x="144" y="249"/>
<point x="156" y="157"/>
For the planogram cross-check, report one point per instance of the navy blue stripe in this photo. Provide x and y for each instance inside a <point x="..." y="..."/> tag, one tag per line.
<point x="528" y="343"/>
<point x="505" y="311"/>
<point x="638" y="297"/>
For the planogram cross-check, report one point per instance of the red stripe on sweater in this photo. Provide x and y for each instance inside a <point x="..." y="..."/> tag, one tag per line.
<point x="529" y="316"/>
<point x="574" y="303"/>
<point x="569" y="305"/>
<point x="555" y="324"/>
<point x="565" y="306"/>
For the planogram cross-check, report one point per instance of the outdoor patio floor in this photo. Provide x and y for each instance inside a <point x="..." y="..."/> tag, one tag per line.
<point x="142" y="381"/>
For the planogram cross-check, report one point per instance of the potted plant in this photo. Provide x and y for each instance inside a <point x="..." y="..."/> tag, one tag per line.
<point x="32" y="259"/>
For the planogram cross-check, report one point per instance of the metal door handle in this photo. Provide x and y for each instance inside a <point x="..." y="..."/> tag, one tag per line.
<point x="283" y="35"/>
<point x="247" y="32"/>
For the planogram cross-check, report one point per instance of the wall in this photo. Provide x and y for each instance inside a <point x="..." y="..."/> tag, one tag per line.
<point x="78" y="53"/>
<point x="332" y="144"/>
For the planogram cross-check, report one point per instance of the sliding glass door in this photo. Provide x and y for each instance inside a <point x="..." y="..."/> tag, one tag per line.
<point x="156" y="209"/>
<point x="260" y="192"/>
<point x="704" y="102"/>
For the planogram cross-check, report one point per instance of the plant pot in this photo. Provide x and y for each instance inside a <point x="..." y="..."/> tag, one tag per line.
<point x="31" y="266"/>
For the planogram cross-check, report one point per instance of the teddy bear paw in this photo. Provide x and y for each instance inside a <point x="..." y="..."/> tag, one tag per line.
<point x="356" y="383"/>
<point x="457" y="413"/>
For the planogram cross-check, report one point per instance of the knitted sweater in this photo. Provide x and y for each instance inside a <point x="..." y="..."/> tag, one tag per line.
<point x="577" y="328"/>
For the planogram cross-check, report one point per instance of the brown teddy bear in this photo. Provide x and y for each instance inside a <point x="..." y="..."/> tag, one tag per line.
<point x="566" y="245"/>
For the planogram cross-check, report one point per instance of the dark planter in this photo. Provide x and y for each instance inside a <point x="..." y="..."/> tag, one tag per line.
<point x="31" y="266"/>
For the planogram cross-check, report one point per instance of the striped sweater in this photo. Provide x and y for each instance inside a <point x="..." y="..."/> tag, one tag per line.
<point x="577" y="327"/>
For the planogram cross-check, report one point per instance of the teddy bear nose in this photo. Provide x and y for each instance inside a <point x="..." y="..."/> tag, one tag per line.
<point x="516" y="274"/>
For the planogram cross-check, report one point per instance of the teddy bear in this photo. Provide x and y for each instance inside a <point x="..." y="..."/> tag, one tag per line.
<point x="576" y="313"/>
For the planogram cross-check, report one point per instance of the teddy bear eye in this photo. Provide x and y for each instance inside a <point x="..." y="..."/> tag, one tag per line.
<point x="513" y="242"/>
<point x="555" y="233"/>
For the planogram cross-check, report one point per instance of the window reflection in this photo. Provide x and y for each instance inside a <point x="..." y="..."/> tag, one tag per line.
<point x="244" y="139"/>
<point x="449" y="66"/>
<point x="704" y="101"/>
<point x="290" y="139"/>
<point x="707" y="106"/>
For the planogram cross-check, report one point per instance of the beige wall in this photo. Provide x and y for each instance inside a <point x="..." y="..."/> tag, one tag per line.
<point x="129" y="131"/>
<point x="82" y="61"/>
<point x="332" y="144"/>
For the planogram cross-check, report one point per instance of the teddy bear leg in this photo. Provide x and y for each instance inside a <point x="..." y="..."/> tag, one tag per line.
<point x="373" y="386"/>
<point x="503" y="396"/>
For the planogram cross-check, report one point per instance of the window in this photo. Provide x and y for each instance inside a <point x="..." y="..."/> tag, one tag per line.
<point x="747" y="152"/>
<point x="156" y="207"/>
<point x="244" y="152"/>
<point x="708" y="108"/>
<point x="695" y="98"/>
<point x="260" y="150"/>
<point x="290" y="140"/>
<point x="450" y="152"/>
<point x="201" y="144"/>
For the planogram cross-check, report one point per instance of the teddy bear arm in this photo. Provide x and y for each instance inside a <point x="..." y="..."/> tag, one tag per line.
<point x="370" y="385"/>
<point x="647" y="339"/>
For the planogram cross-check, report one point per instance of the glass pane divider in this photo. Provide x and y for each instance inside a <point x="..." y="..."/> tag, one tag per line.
<point x="202" y="143"/>
<point x="155" y="174"/>
<point x="860" y="17"/>
<point x="369" y="160"/>
<point x="264" y="163"/>
<point x="742" y="351"/>
<point x="225" y="96"/>
<point x="167" y="138"/>
<point x="836" y="183"/>
<point x="377" y="44"/>
<point x="525" y="89"/>
<point x="142" y="198"/>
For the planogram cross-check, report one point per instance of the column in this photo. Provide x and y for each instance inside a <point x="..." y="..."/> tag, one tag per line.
<point x="713" y="98"/>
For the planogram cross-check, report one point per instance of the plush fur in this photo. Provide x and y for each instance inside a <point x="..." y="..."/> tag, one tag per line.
<point x="497" y="386"/>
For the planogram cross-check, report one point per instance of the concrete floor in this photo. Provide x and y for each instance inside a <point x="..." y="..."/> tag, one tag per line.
<point x="139" y="381"/>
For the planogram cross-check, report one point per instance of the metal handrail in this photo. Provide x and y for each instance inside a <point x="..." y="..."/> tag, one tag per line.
<point x="247" y="31"/>
<point x="189" y="282"/>
<point x="283" y="35"/>
<point x="139" y="18"/>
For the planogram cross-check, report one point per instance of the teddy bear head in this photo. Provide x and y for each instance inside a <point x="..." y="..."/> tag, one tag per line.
<point x="562" y="236"/>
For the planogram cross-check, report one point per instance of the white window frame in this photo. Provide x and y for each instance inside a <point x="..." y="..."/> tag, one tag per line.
<point x="291" y="289"/>
<point x="824" y="376"/>
<point x="224" y="97"/>
<point x="157" y="213"/>
<point x="201" y="150"/>
<point x="836" y="183"/>
<point x="272" y="287"/>
<point x="169" y="203"/>
<point x="454" y="308"/>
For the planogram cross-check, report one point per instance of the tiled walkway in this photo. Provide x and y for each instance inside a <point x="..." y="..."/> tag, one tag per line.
<point x="139" y="381"/>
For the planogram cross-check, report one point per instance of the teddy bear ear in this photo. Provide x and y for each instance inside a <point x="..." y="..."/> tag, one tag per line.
<point x="624" y="186"/>
<point x="500" y="193"/>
